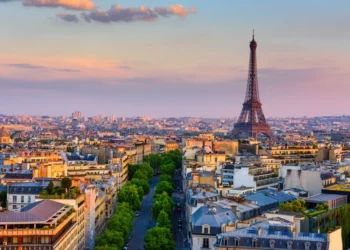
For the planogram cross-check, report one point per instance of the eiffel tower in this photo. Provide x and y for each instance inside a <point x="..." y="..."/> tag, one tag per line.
<point x="251" y="122"/>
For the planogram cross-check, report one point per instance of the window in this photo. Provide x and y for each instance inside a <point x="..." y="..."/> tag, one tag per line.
<point x="29" y="198"/>
<point x="205" y="229"/>
<point x="14" y="240"/>
<point x="254" y="243"/>
<point x="22" y="198"/>
<point x="307" y="245"/>
<point x="14" y="198"/>
<point x="14" y="206"/>
<point x="225" y="242"/>
<point x="44" y="239"/>
<point x="205" y="243"/>
<point x="236" y="242"/>
<point x="27" y="239"/>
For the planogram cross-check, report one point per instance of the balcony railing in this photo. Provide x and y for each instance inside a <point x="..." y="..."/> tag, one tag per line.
<point x="36" y="231"/>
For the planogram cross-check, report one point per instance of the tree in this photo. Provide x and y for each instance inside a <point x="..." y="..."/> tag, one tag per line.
<point x="159" y="238"/>
<point x="125" y="208"/>
<point x="147" y="170"/>
<point x="132" y="168"/>
<point x="168" y="169"/>
<point x="141" y="183"/>
<point x="122" y="223"/>
<point x="66" y="183"/>
<point x="166" y="177"/>
<point x="154" y="160"/>
<point x="164" y="186"/>
<point x="106" y="248"/>
<point x="110" y="238"/>
<point x="163" y="220"/>
<point x="140" y="192"/>
<point x="3" y="198"/>
<point x="129" y="194"/>
<point x="139" y="174"/>
<point x="176" y="157"/>
<point x="50" y="187"/>
<point x="162" y="202"/>
<point x="70" y="149"/>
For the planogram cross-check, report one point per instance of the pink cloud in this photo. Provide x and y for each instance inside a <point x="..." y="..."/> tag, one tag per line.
<point x="67" y="4"/>
<point x="119" y="14"/>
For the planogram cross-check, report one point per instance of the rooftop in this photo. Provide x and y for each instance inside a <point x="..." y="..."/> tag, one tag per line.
<point x="322" y="198"/>
<point x="42" y="211"/>
<point x="340" y="187"/>
<point x="275" y="229"/>
<point x="25" y="188"/>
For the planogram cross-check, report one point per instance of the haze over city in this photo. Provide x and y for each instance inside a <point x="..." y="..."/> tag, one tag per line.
<point x="183" y="58"/>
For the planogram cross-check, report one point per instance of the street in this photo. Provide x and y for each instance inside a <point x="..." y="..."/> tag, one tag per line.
<point x="144" y="221"/>
<point x="179" y="216"/>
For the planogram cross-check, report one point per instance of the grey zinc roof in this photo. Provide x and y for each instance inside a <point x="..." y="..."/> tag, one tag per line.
<point x="25" y="188"/>
<point x="261" y="199"/>
<point x="321" y="198"/>
<point x="213" y="216"/>
<point x="279" y="196"/>
<point x="19" y="175"/>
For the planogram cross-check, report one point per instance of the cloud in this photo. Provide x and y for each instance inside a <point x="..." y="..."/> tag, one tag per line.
<point x="119" y="14"/>
<point x="67" y="4"/>
<point x="68" y="17"/>
<point x="176" y="9"/>
<point x="35" y="67"/>
<point x="25" y="66"/>
<point x="125" y="67"/>
<point x="67" y="70"/>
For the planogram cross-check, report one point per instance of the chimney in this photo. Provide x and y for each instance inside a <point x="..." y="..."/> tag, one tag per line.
<point x="234" y="209"/>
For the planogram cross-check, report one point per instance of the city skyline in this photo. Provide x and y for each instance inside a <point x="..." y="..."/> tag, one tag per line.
<point x="77" y="59"/>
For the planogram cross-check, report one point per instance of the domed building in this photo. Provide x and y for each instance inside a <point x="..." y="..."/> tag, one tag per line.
<point x="5" y="136"/>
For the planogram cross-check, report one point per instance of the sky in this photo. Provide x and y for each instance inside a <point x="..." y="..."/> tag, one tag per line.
<point x="166" y="58"/>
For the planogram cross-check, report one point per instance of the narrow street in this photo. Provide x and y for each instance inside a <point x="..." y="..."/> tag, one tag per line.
<point x="179" y="216"/>
<point x="144" y="221"/>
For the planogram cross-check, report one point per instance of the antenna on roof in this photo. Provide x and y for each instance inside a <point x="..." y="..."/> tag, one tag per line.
<point x="253" y="34"/>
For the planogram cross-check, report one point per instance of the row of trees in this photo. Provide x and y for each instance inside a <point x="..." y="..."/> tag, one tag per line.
<point x="118" y="228"/>
<point x="161" y="237"/>
<point x="130" y="196"/>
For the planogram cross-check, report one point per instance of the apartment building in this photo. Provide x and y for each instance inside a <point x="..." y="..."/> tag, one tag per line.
<point x="21" y="194"/>
<point x="277" y="233"/>
<point x="43" y="224"/>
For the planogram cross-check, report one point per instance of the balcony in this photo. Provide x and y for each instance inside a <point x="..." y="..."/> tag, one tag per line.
<point x="37" y="231"/>
<point x="28" y="247"/>
<point x="270" y="181"/>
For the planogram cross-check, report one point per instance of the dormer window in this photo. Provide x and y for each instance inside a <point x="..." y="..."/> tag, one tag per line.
<point x="255" y="242"/>
<point x="319" y="246"/>
<point x="225" y="241"/>
<point x="272" y="243"/>
<point x="206" y="229"/>
<point x="236" y="242"/>
<point x="307" y="245"/>
<point x="289" y="244"/>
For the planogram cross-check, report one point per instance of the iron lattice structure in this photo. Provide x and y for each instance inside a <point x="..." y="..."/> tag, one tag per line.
<point x="252" y="120"/>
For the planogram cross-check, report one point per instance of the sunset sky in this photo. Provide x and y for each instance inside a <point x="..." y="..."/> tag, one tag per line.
<point x="173" y="57"/>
